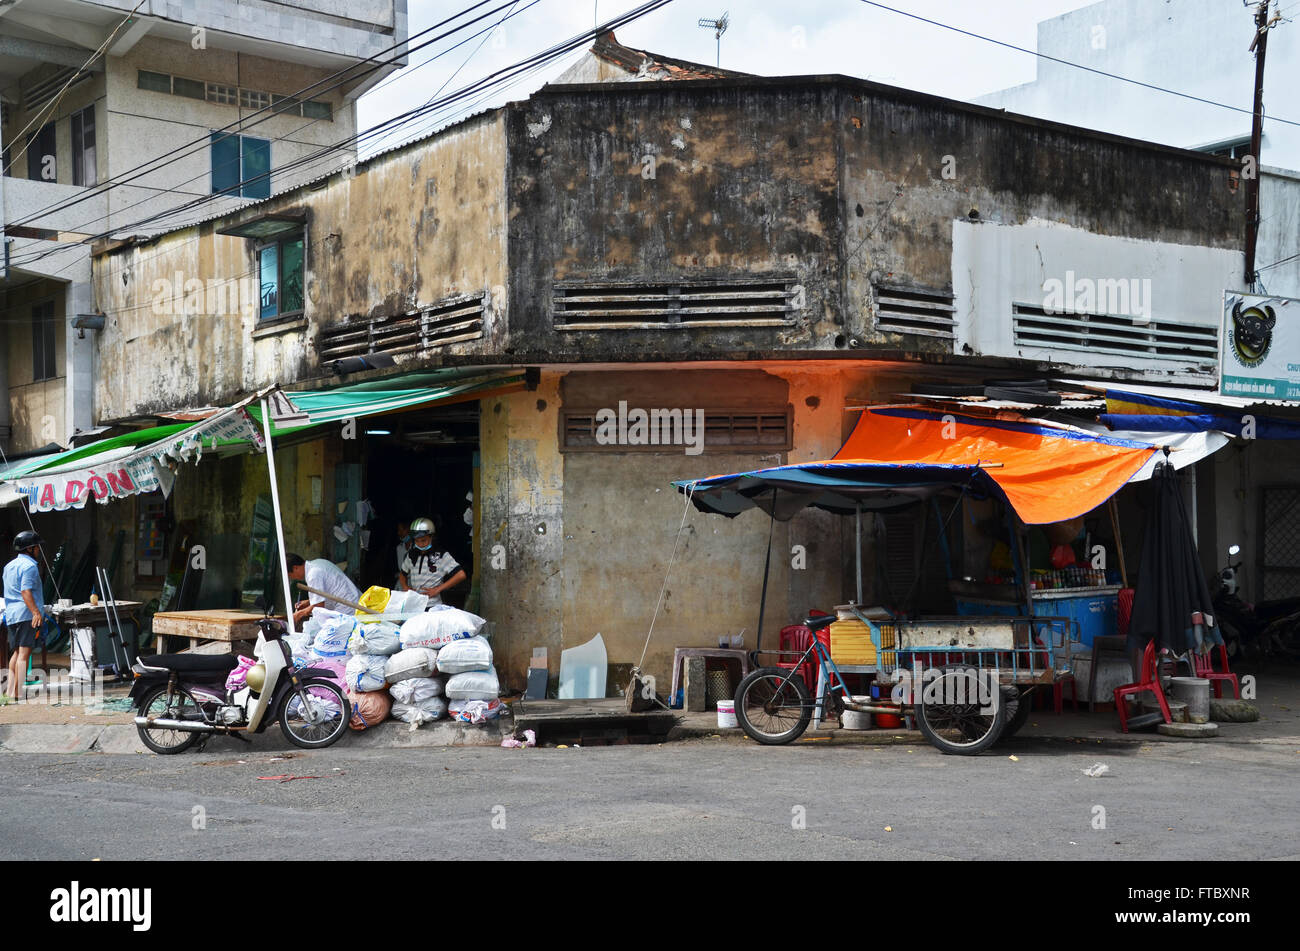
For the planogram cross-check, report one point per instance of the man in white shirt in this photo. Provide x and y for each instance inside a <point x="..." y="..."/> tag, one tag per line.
<point x="323" y="575"/>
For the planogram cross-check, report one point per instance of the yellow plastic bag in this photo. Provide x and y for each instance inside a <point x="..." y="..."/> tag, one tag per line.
<point x="375" y="598"/>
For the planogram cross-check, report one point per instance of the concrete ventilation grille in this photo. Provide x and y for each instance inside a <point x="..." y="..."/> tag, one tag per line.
<point x="1106" y="333"/>
<point x="735" y="432"/>
<point x="628" y="306"/>
<point x="42" y="91"/>
<point x="913" y="310"/>
<point x="451" y="320"/>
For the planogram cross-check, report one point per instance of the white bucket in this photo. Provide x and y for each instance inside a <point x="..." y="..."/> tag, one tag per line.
<point x="82" y="653"/>
<point x="727" y="715"/>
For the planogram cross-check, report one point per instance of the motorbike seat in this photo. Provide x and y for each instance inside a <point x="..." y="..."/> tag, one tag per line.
<point x="192" y="663"/>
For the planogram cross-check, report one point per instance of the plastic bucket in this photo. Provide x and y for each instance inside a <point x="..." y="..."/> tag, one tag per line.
<point x="727" y="714"/>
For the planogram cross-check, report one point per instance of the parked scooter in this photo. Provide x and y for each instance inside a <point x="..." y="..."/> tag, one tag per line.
<point x="1250" y="627"/>
<point x="182" y="698"/>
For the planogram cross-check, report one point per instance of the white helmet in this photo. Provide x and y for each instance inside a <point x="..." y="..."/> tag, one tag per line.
<point x="421" y="526"/>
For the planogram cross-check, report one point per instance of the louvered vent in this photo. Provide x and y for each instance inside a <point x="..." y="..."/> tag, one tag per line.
<point x="43" y="90"/>
<point x="452" y="320"/>
<point x="1123" y="336"/>
<point x="627" y="306"/>
<point x="723" y="431"/>
<point x="914" y="310"/>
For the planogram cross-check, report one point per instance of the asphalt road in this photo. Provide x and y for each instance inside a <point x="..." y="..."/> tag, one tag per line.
<point x="708" y="798"/>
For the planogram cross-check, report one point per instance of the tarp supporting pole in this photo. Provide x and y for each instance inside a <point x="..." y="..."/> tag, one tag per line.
<point x="767" y="567"/>
<point x="857" y="545"/>
<point x="279" y="525"/>
<point x="1119" y="541"/>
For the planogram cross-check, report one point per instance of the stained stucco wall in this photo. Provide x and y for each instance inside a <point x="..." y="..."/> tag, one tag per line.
<point x="37" y="408"/>
<point x="407" y="229"/>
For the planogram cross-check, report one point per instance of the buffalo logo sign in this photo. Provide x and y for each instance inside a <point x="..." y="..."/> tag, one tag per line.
<point x="1251" y="334"/>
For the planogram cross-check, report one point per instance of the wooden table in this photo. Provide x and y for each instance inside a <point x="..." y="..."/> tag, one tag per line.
<point x="223" y="628"/>
<point x="95" y="616"/>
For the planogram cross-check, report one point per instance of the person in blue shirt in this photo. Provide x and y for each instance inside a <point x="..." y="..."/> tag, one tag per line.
<point x="23" y="617"/>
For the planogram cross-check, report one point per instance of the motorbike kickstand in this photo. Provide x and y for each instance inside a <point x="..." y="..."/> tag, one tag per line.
<point x="240" y="736"/>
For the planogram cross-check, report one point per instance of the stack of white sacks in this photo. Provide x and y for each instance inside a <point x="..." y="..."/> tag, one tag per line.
<point x="436" y="663"/>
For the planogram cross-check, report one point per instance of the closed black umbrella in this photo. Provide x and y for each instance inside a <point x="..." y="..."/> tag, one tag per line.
<point x="1172" y="601"/>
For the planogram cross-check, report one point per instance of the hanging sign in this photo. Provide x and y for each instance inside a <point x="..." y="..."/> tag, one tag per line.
<point x="145" y="470"/>
<point x="1259" y="350"/>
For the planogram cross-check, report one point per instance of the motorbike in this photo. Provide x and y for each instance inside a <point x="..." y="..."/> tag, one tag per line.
<point x="1257" y="627"/>
<point x="181" y="699"/>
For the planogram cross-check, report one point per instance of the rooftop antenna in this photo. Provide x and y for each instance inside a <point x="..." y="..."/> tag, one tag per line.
<point x="718" y="26"/>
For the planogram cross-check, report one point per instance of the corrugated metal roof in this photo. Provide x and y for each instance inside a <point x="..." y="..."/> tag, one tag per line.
<point x="1191" y="395"/>
<point x="982" y="402"/>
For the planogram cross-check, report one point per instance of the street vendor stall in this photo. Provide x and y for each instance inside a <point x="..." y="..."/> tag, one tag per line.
<point x="896" y="457"/>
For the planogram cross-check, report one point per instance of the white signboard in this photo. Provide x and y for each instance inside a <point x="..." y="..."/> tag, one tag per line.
<point x="1259" y="349"/>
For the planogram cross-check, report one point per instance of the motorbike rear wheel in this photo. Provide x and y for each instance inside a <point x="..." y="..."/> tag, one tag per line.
<point x="180" y="706"/>
<point x="328" y="701"/>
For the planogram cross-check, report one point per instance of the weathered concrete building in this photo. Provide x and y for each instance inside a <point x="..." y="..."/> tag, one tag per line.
<point x="758" y="254"/>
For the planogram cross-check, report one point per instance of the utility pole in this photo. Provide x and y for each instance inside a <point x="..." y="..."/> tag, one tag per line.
<point x="1259" y="46"/>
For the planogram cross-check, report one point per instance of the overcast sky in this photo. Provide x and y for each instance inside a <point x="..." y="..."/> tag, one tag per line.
<point x="768" y="37"/>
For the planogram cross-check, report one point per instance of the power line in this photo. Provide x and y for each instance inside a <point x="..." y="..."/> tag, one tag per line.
<point x="348" y="74"/>
<point x="495" y="79"/>
<point x="1066" y="62"/>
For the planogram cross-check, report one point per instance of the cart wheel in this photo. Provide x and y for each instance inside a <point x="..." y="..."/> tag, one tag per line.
<point x="958" y="714"/>
<point x="1018" y="708"/>
<point x="773" y="706"/>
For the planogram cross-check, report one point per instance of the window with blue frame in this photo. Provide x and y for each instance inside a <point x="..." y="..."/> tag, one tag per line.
<point x="280" y="270"/>
<point x="241" y="165"/>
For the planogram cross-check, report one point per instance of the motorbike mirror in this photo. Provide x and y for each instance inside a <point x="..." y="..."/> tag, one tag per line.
<point x="1234" y="549"/>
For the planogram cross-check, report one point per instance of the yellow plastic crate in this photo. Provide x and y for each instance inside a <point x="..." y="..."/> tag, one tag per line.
<point x="851" y="643"/>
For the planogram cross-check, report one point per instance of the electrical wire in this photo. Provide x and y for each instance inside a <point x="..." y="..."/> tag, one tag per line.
<point x="1066" y="62"/>
<point x="347" y="144"/>
<point x="492" y="80"/>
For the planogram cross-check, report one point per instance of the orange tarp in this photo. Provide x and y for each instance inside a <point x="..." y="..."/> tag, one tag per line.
<point x="1048" y="475"/>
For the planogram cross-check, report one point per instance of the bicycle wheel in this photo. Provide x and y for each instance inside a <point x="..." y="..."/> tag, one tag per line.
<point x="329" y="708"/>
<point x="156" y="704"/>
<point x="773" y="706"/>
<point x="1018" y="705"/>
<point x="958" y="714"/>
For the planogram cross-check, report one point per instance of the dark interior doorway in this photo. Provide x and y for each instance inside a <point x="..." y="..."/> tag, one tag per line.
<point x="420" y="464"/>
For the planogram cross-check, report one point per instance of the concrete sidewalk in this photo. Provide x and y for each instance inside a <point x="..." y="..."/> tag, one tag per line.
<point x="45" y="725"/>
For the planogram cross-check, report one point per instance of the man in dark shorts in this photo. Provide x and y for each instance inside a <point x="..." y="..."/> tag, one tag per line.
<point x="23" y="617"/>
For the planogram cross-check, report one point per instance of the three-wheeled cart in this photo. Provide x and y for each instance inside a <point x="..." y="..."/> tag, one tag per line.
<point x="965" y="680"/>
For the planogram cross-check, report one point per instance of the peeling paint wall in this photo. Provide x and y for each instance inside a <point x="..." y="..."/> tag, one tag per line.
<point x="406" y="230"/>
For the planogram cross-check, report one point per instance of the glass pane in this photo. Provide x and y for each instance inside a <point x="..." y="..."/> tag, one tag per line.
<point x="257" y="167"/>
<point x="155" y="82"/>
<point x="291" y="276"/>
<point x="317" y="110"/>
<point x="225" y="162"/>
<point x="268" y="264"/>
<point x="191" y="88"/>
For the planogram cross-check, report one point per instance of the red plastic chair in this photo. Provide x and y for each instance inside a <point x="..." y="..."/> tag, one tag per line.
<point x="1058" y="688"/>
<point x="1204" y="667"/>
<point x="796" y="639"/>
<point x="1150" y="681"/>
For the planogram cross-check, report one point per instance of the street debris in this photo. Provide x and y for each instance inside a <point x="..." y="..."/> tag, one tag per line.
<point x="528" y="738"/>
<point x="1096" y="770"/>
<point x="287" y="778"/>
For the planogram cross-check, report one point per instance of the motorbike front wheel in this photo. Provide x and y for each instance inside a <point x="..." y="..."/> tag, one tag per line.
<point x="332" y="713"/>
<point x="156" y="704"/>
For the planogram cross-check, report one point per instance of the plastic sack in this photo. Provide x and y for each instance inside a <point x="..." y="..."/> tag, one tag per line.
<point x="440" y="626"/>
<point x="380" y="638"/>
<point x="365" y="672"/>
<point x="369" y="708"/>
<point x="473" y="685"/>
<point x="238" y="678"/>
<point x="375" y="598"/>
<point x="410" y="663"/>
<point x="460" y="656"/>
<point x="332" y="638"/>
<point x="416" y="689"/>
<point x="300" y="643"/>
<point x="336" y="668"/>
<point x="407" y="602"/>
<point x="474" y="711"/>
<point x="425" y="711"/>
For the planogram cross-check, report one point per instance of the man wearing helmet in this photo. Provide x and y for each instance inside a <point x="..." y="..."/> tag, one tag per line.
<point x="23" y="617"/>
<point x="426" y="570"/>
